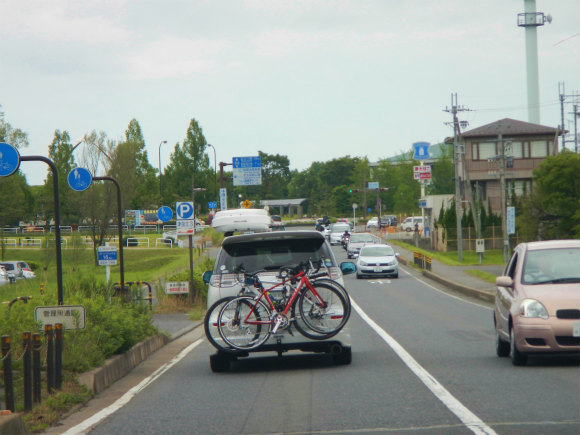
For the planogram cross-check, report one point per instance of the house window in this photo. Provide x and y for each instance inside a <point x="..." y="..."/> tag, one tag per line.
<point x="517" y="150"/>
<point x="484" y="151"/>
<point x="538" y="148"/>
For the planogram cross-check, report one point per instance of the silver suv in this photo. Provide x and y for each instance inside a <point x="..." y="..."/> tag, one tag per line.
<point x="269" y="251"/>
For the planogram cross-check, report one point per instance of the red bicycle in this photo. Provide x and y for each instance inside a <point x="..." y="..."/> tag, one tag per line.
<point x="318" y="310"/>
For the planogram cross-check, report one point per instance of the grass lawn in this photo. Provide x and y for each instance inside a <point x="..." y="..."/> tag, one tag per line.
<point x="140" y="264"/>
<point x="470" y="258"/>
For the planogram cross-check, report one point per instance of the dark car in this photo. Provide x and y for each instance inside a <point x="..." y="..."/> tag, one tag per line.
<point x="388" y="220"/>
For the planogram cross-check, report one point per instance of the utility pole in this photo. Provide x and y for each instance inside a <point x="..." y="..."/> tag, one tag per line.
<point x="458" y="151"/>
<point x="573" y="99"/>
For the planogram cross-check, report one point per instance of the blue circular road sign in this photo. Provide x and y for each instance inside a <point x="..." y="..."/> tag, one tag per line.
<point x="79" y="179"/>
<point x="9" y="160"/>
<point x="164" y="214"/>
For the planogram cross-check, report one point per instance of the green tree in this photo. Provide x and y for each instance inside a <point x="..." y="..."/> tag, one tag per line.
<point x="132" y="170"/>
<point x="16" y="200"/>
<point x="189" y="167"/>
<point x="443" y="173"/>
<point x="275" y="175"/>
<point x="553" y="209"/>
<point x="13" y="136"/>
<point x="60" y="151"/>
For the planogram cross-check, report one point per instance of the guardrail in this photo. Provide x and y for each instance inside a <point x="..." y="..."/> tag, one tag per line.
<point x="137" y="241"/>
<point x="32" y="230"/>
<point x="145" y="228"/>
<point x="63" y="228"/>
<point x="30" y="242"/>
<point x="11" y="230"/>
<point x="10" y="242"/>
<point x="164" y="241"/>
<point x="50" y="242"/>
<point x="131" y="295"/>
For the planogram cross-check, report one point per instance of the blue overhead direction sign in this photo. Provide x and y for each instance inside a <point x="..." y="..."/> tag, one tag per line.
<point x="9" y="160"/>
<point x="247" y="171"/>
<point x="164" y="214"/>
<point x="79" y="179"/>
<point x="421" y="150"/>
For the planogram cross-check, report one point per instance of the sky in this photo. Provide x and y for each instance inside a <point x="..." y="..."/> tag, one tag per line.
<point x="313" y="80"/>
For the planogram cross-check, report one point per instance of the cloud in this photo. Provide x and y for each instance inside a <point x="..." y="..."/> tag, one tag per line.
<point x="172" y="57"/>
<point x="64" y="21"/>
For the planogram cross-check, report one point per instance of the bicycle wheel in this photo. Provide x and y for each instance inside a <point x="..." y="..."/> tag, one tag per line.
<point x="244" y="323"/>
<point x="326" y="313"/>
<point x="336" y="285"/>
<point x="210" y="325"/>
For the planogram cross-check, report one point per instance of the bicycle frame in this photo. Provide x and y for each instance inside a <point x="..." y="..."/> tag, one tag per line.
<point x="304" y="281"/>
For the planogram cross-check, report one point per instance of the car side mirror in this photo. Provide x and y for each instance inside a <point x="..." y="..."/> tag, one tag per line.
<point x="347" y="267"/>
<point x="207" y="276"/>
<point x="504" y="281"/>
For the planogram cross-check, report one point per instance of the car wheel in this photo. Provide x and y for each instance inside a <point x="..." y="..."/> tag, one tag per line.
<point x="396" y="275"/>
<point x="502" y="348"/>
<point x="358" y="276"/>
<point x="518" y="358"/>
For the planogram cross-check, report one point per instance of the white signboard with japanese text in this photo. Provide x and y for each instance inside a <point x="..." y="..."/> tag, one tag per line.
<point x="177" y="288"/>
<point x="69" y="316"/>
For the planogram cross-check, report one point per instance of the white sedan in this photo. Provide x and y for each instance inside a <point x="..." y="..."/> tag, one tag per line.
<point x="373" y="223"/>
<point x="377" y="260"/>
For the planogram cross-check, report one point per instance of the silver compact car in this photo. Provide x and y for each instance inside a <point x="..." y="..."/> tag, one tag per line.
<point x="537" y="302"/>
<point x="377" y="260"/>
<point x="357" y="241"/>
<point x="267" y="253"/>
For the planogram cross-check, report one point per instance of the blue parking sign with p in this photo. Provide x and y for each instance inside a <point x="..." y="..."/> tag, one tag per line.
<point x="184" y="210"/>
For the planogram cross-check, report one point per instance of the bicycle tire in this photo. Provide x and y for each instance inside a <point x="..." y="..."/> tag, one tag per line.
<point x="328" y="320"/>
<point x="210" y="325"/>
<point x="300" y="325"/>
<point x="338" y="286"/>
<point x="239" y="334"/>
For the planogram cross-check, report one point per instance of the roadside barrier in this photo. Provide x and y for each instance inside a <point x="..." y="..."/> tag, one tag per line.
<point x="31" y="365"/>
<point x="130" y="295"/>
<point x="422" y="260"/>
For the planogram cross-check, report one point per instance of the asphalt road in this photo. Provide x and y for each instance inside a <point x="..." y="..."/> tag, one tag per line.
<point x="423" y="362"/>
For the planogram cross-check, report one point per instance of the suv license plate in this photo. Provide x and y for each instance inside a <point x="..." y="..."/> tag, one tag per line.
<point x="576" y="329"/>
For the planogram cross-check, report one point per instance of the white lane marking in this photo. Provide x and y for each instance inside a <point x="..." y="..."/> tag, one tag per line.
<point x="448" y="294"/>
<point x="468" y="418"/>
<point x="89" y="423"/>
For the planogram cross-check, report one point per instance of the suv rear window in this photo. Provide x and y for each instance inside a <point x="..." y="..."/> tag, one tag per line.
<point x="272" y="254"/>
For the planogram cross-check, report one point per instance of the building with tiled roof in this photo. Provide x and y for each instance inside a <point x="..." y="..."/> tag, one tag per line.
<point x="514" y="148"/>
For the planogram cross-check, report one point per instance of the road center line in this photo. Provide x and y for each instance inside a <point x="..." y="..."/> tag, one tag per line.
<point x="468" y="418"/>
<point x="90" y="422"/>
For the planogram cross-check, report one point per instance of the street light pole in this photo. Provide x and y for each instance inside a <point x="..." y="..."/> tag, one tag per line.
<point x="162" y="142"/>
<point x="214" y="171"/>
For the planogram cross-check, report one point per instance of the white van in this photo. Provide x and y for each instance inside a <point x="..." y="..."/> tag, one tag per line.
<point x="409" y="223"/>
<point x="250" y="220"/>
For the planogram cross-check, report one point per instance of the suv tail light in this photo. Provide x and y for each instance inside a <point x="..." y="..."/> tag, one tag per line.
<point x="223" y="280"/>
<point x="334" y="272"/>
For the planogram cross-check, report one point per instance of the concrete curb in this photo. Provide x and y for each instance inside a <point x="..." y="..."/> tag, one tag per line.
<point x="481" y="294"/>
<point x="119" y="365"/>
